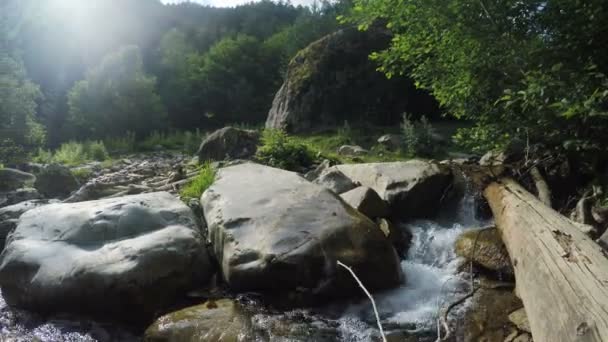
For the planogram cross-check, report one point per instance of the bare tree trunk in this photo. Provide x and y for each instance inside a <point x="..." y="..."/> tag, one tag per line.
<point x="562" y="275"/>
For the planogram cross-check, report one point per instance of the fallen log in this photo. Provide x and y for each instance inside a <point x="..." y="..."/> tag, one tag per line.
<point x="561" y="274"/>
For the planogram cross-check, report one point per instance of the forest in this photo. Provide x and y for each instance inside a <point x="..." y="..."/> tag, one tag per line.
<point x="264" y="171"/>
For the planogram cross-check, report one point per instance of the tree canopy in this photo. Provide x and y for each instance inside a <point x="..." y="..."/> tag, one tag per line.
<point x="533" y="70"/>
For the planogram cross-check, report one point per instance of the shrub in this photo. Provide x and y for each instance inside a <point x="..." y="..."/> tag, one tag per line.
<point x="96" y="150"/>
<point x="418" y="137"/>
<point x="281" y="151"/>
<point x="10" y="152"/>
<point x="73" y="153"/>
<point x="198" y="185"/>
<point x="121" y="145"/>
<point x="82" y="174"/>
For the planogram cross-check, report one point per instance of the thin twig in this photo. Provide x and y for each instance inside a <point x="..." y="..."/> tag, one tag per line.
<point x="369" y="296"/>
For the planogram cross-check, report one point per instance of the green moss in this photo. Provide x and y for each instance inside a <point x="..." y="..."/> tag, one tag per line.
<point x="198" y="185"/>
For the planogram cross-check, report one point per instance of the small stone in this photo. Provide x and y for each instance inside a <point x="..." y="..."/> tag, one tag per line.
<point x="352" y="150"/>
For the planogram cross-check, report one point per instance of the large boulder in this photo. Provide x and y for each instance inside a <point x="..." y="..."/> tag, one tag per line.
<point x="412" y="189"/>
<point x="127" y="257"/>
<point x="12" y="179"/>
<point x="485" y="248"/>
<point x="333" y="80"/>
<point x="56" y="181"/>
<point x="273" y="230"/>
<point x="229" y="143"/>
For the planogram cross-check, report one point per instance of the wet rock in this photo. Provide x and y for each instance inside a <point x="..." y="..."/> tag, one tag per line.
<point x="273" y="230"/>
<point x="12" y="179"/>
<point x="125" y="257"/>
<point x="352" y="151"/>
<point x="221" y="320"/>
<point x="56" y="181"/>
<point x="486" y="249"/>
<point x="400" y="238"/>
<point x="391" y="142"/>
<point x="411" y="189"/>
<point x="229" y="143"/>
<point x="488" y="318"/>
<point x="335" y="181"/>
<point x="367" y="201"/>
<point x="520" y="319"/>
<point x="493" y="158"/>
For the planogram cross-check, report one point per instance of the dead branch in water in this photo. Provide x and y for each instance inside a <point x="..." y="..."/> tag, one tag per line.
<point x="369" y="296"/>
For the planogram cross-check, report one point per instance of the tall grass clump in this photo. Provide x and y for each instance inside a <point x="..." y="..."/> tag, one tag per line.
<point x="279" y="150"/>
<point x="121" y="145"/>
<point x="74" y="153"/>
<point x="200" y="183"/>
<point x="418" y="137"/>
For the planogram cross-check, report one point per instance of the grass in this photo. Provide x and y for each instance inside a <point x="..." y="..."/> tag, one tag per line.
<point x="326" y="144"/>
<point x="82" y="174"/>
<point x="198" y="185"/>
<point x="74" y="153"/>
<point x="185" y="141"/>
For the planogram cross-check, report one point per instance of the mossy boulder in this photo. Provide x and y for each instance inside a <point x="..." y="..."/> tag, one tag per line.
<point x="486" y="249"/>
<point x="333" y="80"/>
<point x="221" y="320"/>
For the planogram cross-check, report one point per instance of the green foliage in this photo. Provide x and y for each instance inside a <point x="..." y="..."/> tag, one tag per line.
<point x="518" y="69"/>
<point x="18" y="104"/>
<point x="10" y="152"/>
<point x="82" y="174"/>
<point x="188" y="142"/>
<point x="116" y="97"/>
<point x="418" y="137"/>
<point x="236" y="79"/>
<point x="122" y="144"/>
<point x="198" y="185"/>
<point x="74" y="153"/>
<point x="279" y="150"/>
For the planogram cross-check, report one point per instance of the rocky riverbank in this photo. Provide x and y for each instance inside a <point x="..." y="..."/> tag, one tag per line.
<point x="260" y="262"/>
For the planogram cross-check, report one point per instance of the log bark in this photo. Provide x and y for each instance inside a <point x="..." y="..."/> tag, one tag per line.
<point x="561" y="274"/>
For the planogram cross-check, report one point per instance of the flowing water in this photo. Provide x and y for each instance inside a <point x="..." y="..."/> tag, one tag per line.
<point x="432" y="281"/>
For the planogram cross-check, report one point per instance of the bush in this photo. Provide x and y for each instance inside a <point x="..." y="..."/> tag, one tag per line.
<point x="281" y="151"/>
<point x="198" y="185"/>
<point x="121" y="145"/>
<point x="10" y="152"/>
<point x="418" y="137"/>
<point x="74" y="153"/>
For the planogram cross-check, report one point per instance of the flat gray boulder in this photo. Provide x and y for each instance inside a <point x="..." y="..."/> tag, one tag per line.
<point x="273" y="230"/>
<point x="413" y="188"/>
<point x="126" y="257"/>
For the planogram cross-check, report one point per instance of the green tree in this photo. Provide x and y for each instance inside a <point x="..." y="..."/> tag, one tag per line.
<point x="520" y="69"/>
<point x="237" y="80"/>
<point x="18" y="104"/>
<point x="116" y="97"/>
